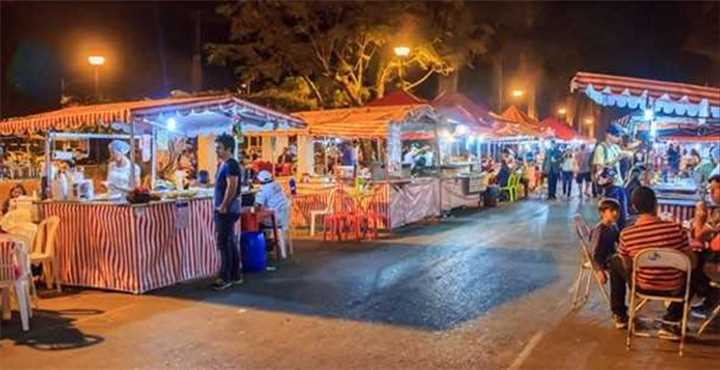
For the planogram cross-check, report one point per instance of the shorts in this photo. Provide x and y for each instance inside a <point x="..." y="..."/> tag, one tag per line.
<point x="585" y="176"/>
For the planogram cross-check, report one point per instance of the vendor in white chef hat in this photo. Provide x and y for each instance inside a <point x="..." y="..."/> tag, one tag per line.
<point x="272" y="196"/>
<point x="119" y="170"/>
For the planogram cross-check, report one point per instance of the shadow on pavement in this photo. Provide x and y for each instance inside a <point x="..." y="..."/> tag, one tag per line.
<point x="426" y="287"/>
<point x="51" y="330"/>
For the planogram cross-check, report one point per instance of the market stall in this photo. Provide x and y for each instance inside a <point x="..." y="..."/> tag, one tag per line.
<point x="661" y="112"/>
<point x="106" y="242"/>
<point x="395" y="195"/>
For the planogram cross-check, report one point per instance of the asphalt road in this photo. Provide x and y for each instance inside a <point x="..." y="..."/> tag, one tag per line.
<point x="481" y="290"/>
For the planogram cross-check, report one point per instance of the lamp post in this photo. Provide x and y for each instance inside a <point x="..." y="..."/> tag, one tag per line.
<point x="401" y="52"/>
<point x="96" y="61"/>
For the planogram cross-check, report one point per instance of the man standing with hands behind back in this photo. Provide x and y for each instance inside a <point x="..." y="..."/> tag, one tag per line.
<point x="227" y="212"/>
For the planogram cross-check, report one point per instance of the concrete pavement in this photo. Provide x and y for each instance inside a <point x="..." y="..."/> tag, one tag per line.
<point x="482" y="290"/>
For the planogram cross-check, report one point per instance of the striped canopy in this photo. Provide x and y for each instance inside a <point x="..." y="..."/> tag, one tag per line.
<point x="191" y="114"/>
<point x="637" y="93"/>
<point x="365" y="122"/>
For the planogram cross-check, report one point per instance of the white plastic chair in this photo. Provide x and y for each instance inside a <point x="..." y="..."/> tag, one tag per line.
<point x="322" y="212"/>
<point x="15" y="276"/>
<point x="659" y="258"/>
<point x="586" y="269"/>
<point x="44" y="253"/>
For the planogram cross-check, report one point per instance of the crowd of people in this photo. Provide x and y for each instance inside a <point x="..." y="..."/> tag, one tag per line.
<point x="614" y="248"/>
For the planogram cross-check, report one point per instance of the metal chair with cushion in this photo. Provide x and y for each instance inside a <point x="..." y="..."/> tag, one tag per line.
<point x="659" y="258"/>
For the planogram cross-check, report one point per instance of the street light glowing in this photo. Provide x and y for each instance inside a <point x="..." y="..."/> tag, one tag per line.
<point x="588" y="120"/>
<point x="562" y="111"/>
<point x="461" y="130"/>
<point x="96" y="60"/>
<point x="402" y="51"/>
<point x="518" y="93"/>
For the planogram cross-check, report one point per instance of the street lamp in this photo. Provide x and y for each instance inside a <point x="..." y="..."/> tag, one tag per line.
<point x="401" y="52"/>
<point x="518" y="93"/>
<point x="96" y="61"/>
<point x="562" y="111"/>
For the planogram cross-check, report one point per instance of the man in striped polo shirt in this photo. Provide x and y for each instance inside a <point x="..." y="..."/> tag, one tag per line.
<point x="649" y="231"/>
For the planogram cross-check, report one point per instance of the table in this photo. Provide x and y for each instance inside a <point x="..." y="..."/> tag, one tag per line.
<point x="134" y="248"/>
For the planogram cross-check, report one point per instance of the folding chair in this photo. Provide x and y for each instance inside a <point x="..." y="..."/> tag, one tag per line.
<point x="659" y="258"/>
<point x="714" y="314"/>
<point x="587" y="269"/>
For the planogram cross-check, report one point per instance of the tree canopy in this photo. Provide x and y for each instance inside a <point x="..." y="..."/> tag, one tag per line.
<point x="341" y="53"/>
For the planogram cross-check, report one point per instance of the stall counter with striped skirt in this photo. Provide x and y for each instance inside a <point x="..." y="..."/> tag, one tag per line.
<point x="134" y="248"/>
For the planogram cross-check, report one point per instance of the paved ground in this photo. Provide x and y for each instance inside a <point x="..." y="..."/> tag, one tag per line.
<point x="482" y="290"/>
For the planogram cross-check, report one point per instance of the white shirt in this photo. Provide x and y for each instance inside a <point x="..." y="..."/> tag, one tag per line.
<point x="272" y="196"/>
<point x="118" y="177"/>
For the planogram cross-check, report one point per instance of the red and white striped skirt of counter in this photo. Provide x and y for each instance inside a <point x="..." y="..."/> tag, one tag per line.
<point x="679" y="212"/>
<point x="133" y="249"/>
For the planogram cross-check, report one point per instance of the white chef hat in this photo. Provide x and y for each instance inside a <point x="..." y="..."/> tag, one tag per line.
<point x="120" y="146"/>
<point x="264" y="177"/>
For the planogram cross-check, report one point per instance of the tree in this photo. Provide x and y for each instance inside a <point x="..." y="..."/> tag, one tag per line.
<point x="343" y="50"/>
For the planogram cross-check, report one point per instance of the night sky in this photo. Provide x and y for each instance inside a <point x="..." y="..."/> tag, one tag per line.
<point x="44" y="43"/>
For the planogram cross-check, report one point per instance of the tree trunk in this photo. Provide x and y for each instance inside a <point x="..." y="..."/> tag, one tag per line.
<point x="315" y="90"/>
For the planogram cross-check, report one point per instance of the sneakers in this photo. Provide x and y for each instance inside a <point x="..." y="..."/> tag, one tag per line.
<point x="668" y="319"/>
<point x="221" y="285"/>
<point x="700" y="312"/>
<point x="621" y="322"/>
<point x="239" y="281"/>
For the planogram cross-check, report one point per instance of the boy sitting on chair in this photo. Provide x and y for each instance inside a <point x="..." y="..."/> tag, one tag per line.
<point x="603" y="240"/>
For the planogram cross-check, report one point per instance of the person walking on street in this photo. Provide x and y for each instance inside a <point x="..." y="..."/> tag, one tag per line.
<point x="569" y="167"/>
<point x="551" y="167"/>
<point x="227" y="213"/>
<point x="582" y="158"/>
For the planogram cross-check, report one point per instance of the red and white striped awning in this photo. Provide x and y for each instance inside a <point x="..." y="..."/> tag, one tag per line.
<point x="74" y="118"/>
<point x="637" y="93"/>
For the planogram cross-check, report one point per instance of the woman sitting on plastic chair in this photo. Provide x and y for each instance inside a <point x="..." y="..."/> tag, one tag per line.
<point x="272" y="196"/>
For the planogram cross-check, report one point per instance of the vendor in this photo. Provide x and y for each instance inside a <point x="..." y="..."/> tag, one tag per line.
<point x="272" y="196"/>
<point x="119" y="170"/>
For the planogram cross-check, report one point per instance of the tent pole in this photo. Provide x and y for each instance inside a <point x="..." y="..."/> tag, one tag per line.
<point x="48" y="166"/>
<point x="153" y="163"/>
<point x="132" y="153"/>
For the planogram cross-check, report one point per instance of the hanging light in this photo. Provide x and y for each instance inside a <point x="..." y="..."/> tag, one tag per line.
<point x="171" y="124"/>
<point x="648" y="114"/>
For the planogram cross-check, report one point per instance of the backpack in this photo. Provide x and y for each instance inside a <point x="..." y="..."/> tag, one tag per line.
<point x="592" y="155"/>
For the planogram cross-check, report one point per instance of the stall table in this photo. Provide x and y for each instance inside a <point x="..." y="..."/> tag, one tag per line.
<point x="134" y="248"/>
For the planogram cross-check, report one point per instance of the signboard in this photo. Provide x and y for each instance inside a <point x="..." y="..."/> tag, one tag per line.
<point x="182" y="214"/>
<point x="475" y="185"/>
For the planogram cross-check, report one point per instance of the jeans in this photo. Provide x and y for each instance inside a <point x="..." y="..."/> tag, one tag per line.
<point x="619" y="273"/>
<point x="552" y="184"/>
<point x="567" y="177"/>
<point x="227" y="244"/>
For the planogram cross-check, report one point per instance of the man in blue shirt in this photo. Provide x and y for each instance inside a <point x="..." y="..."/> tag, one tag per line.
<point x="227" y="212"/>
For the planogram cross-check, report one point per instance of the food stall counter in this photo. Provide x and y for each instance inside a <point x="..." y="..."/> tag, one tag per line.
<point x="134" y="248"/>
